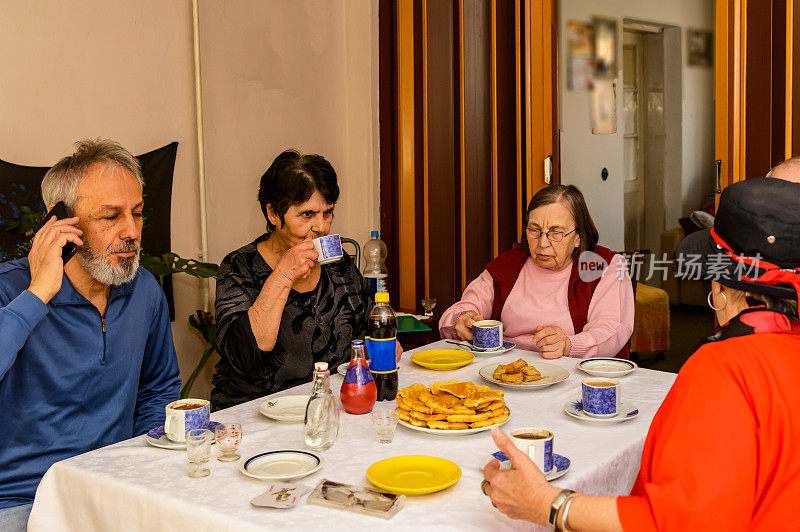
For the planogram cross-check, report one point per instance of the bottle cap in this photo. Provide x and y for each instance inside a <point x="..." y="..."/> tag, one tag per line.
<point x="374" y="234"/>
<point x="381" y="297"/>
<point x="356" y="343"/>
<point x="320" y="366"/>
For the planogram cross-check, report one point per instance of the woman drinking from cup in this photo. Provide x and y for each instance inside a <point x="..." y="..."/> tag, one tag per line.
<point x="278" y="310"/>
<point x="721" y="450"/>
<point x="538" y="293"/>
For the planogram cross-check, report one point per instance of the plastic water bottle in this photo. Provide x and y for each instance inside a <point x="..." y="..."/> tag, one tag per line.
<point x="381" y="344"/>
<point x="321" y="425"/>
<point x="375" y="271"/>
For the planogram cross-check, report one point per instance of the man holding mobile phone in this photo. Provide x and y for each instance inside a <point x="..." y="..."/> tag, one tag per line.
<point x="86" y="351"/>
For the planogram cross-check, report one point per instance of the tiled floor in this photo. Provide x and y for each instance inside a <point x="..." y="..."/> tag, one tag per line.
<point x="688" y="326"/>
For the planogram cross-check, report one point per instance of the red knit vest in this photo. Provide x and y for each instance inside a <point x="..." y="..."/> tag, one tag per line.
<point x="505" y="271"/>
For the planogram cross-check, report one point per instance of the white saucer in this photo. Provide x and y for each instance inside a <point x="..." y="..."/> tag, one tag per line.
<point x="607" y="367"/>
<point x="467" y="345"/>
<point x="575" y="409"/>
<point x="158" y="438"/>
<point x="561" y="464"/>
<point x="281" y="465"/>
<point x="289" y="408"/>
<point x="342" y="369"/>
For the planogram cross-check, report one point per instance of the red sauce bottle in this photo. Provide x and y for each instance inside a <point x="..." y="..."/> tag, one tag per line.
<point x="358" y="391"/>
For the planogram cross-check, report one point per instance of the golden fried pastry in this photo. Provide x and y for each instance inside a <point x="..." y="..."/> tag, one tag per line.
<point x="418" y="422"/>
<point x="419" y="406"/>
<point x="446" y="425"/>
<point x="495" y="405"/>
<point x="532" y="371"/>
<point x="402" y="414"/>
<point x="481" y="399"/>
<point x="402" y="404"/>
<point x="462" y="390"/>
<point x="461" y="409"/>
<point x="427" y="417"/>
<point x="412" y="392"/>
<point x="438" y="401"/>
<point x="435" y="387"/>
<point x="512" y="378"/>
<point x="531" y="378"/>
<point x="501" y="368"/>
<point x="490" y="421"/>
<point x="468" y="418"/>
<point x="517" y="365"/>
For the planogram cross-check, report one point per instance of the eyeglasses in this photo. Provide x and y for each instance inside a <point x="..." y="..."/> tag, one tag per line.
<point x="552" y="235"/>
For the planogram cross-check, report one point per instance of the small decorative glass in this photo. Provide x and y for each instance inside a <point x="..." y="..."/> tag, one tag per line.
<point x="428" y="304"/>
<point x="385" y="422"/>
<point x="198" y="452"/>
<point x="228" y="436"/>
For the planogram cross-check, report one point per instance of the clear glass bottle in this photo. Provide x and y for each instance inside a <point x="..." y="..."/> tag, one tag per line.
<point x="321" y="425"/>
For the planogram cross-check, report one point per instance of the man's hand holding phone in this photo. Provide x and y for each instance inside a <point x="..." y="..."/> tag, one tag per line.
<point x="45" y="258"/>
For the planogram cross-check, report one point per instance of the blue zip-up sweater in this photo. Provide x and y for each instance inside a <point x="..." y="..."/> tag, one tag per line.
<point x="71" y="381"/>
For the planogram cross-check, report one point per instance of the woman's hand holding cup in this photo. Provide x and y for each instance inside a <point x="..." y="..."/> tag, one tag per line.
<point x="464" y="324"/>
<point x="297" y="262"/>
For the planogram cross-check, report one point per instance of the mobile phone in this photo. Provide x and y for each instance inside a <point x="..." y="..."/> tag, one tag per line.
<point x="60" y="211"/>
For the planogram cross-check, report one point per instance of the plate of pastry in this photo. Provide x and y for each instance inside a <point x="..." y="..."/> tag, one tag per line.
<point x="520" y="375"/>
<point x="451" y="408"/>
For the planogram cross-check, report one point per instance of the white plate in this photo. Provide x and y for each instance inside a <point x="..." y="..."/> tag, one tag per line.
<point x="281" y="465"/>
<point x="289" y="408"/>
<point x="551" y="374"/>
<point x="561" y="464"/>
<point x="607" y="367"/>
<point x="626" y="411"/>
<point x="466" y="345"/>
<point x="342" y="369"/>
<point x="457" y="432"/>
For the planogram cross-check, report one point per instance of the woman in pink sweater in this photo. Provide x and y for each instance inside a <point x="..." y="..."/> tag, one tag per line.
<point x="549" y="292"/>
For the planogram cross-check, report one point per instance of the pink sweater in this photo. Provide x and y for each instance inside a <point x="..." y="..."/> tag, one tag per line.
<point x="539" y="297"/>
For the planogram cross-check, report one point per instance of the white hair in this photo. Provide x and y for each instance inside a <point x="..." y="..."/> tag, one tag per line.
<point x="61" y="182"/>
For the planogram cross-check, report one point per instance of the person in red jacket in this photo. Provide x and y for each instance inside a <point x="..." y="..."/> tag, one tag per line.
<point x="559" y="292"/>
<point x="721" y="452"/>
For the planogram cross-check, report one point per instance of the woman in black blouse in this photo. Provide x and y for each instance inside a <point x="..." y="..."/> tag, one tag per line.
<point x="278" y="311"/>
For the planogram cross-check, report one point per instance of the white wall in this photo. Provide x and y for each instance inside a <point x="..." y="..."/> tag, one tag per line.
<point x="276" y="74"/>
<point x="583" y="155"/>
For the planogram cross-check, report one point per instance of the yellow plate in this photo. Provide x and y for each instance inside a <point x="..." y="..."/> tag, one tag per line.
<point x="442" y="359"/>
<point x="414" y="475"/>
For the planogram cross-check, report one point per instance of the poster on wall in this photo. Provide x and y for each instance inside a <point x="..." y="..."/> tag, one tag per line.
<point x="604" y="107"/>
<point x="701" y="48"/>
<point x="605" y="48"/>
<point x="580" y="56"/>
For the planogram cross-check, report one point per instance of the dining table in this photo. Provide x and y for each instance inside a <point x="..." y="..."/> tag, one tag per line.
<point x="132" y="485"/>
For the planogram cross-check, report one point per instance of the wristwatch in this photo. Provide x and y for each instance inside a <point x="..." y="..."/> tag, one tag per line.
<point x="556" y="506"/>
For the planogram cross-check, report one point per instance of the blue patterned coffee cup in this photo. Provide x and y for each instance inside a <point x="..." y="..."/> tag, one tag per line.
<point x="537" y="443"/>
<point x="184" y="415"/>
<point x="487" y="335"/>
<point x="601" y="397"/>
<point x="329" y="248"/>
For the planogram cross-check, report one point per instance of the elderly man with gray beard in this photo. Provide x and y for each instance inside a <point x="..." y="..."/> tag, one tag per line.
<point x="86" y="352"/>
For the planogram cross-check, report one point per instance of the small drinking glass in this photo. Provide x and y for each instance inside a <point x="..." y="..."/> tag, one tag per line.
<point x="198" y="452"/>
<point x="228" y="436"/>
<point x="385" y="421"/>
<point x="428" y="304"/>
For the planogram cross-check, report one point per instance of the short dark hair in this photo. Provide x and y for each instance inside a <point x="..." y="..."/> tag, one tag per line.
<point x="572" y="198"/>
<point x="292" y="178"/>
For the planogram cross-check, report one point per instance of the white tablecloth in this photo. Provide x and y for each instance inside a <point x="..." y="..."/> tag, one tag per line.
<point x="133" y="486"/>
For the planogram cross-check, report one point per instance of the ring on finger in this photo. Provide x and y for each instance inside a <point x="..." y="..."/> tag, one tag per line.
<point x="484" y="485"/>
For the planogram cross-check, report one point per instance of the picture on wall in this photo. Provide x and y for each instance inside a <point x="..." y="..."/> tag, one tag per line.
<point x="701" y="48"/>
<point x="605" y="48"/>
<point x="580" y="58"/>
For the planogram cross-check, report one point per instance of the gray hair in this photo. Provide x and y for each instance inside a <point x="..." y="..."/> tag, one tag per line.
<point x="788" y="170"/>
<point x="61" y="182"/>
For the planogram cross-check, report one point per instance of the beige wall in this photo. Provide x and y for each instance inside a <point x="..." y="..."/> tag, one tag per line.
<point x="275" y="74"/>
<point x="280" y="75"/>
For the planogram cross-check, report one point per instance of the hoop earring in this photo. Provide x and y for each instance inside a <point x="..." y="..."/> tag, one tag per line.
<point x="711" y="304"/>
